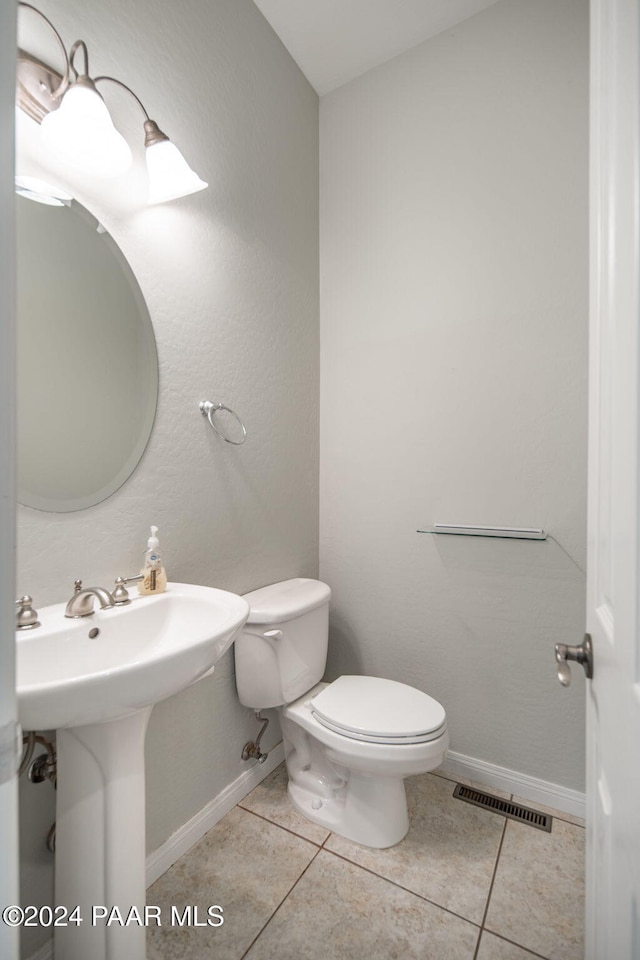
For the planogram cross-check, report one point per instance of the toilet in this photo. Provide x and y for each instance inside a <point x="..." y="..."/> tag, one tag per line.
<point x="348" y="744"/>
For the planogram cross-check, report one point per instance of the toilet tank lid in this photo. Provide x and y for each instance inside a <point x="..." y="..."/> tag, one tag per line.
<point x="283" y="601"/>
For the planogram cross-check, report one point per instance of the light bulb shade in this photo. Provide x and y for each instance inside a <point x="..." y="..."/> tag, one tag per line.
<point x="170" y="176"/>
<point x="82" y="133"/>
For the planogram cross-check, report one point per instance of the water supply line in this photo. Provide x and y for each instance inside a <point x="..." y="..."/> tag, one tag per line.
<point x="251" y="750"/>
<point x="44" y="767"/>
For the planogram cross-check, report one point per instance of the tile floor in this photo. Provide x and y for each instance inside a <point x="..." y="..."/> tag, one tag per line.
<point x="464" y="884"/>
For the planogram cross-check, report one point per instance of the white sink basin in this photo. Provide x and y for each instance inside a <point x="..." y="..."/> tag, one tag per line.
<point x="97" y="690"/>
<point x="144" y="651"/>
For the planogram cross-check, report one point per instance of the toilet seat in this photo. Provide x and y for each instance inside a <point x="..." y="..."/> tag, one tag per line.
<point x="377" y="710"/>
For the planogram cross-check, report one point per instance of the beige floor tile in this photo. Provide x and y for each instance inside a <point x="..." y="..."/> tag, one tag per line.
<point x="494" y="948"/>
<point x="153" y="951"/>
<point x="538" y="894"/>
<point x="449" y="854"/>
<point x="245" y="865"/>
<point x="269" y="799"/>
<point x="554" y="813"/>
<point x="339" y="912"/>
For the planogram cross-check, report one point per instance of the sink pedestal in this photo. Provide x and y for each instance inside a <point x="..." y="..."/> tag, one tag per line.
<point x="100" y="837"/>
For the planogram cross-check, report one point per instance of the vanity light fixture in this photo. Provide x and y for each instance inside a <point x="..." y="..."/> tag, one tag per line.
<point x="76" y="124"/>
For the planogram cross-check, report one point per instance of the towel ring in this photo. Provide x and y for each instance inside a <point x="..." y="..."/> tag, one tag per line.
<point x="208" y="409"/>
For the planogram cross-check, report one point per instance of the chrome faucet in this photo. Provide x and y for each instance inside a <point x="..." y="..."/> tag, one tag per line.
<point x="81" y="603"/>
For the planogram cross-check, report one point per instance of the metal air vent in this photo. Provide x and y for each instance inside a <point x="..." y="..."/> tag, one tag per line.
<point x="514" y="811"/>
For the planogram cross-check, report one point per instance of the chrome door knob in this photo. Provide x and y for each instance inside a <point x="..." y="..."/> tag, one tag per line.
<point x="582" y="654"/>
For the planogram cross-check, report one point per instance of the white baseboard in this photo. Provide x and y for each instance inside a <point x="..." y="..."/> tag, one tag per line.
<point x="187" y="835"/>
<point x="529" y="788"/>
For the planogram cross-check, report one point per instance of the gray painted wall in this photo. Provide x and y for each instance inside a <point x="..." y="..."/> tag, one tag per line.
<point x="453" y="384"/>
<point x="230" y="278"/>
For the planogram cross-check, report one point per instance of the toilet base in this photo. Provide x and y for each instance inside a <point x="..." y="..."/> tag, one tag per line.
<point x="353" y="788"/>
<point x="371" y="811"/>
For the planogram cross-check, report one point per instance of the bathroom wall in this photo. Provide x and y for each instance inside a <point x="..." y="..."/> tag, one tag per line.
<point x="230" y="278"/>
<point x="453" y="385"/>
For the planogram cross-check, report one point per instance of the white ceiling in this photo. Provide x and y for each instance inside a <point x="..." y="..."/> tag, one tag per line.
<point x="333" y="41"/>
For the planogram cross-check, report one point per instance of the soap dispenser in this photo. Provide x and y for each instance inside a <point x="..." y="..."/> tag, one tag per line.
<point x="153" y="572"/>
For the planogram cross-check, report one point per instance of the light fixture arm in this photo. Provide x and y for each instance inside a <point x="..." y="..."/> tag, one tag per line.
<point x="128" y="89"/>
<point x="74" y="49"/>
<point x="153" y="134"/>
<point x="81" y="79"/>
<point x="59" y="92"/>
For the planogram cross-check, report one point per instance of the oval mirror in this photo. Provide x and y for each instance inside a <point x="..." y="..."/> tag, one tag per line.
<point x="87" y="367"/>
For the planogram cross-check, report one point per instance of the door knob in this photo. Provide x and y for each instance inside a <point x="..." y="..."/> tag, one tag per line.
<point x="582" y="654"/>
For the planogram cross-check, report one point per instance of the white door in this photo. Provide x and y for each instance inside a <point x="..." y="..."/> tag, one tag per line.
<point x="613" y="581"/>
<point x="8" y="786"/>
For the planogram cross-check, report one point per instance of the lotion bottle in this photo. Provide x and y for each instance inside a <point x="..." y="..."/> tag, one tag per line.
<point x="153" y="572"/>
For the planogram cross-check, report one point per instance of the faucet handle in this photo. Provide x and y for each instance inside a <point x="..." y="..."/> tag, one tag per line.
<point x="26" y="616"/>
<point x="120" y="594"/>
<point x="77" y="586"/>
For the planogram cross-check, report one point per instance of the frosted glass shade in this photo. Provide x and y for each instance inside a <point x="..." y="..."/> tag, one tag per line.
<point x="82" y="133"/>
<point x="170" y="176"/>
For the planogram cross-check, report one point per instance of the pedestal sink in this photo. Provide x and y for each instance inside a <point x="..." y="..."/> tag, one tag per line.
<point x="95" y="681"/>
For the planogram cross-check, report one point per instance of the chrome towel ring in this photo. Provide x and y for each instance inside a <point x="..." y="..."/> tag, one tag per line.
<point x="209" y="409"/>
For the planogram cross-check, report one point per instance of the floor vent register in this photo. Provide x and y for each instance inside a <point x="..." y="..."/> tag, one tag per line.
<point x="514" y="811"/>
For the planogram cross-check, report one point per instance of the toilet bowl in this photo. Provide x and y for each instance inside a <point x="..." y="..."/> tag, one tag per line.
<point x="348" y="744"/>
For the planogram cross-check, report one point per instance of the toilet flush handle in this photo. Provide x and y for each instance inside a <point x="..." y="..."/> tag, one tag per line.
<point x="266" y="634"/>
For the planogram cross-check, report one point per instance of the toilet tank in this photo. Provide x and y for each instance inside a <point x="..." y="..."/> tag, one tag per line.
<point x="281" y="652"/>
